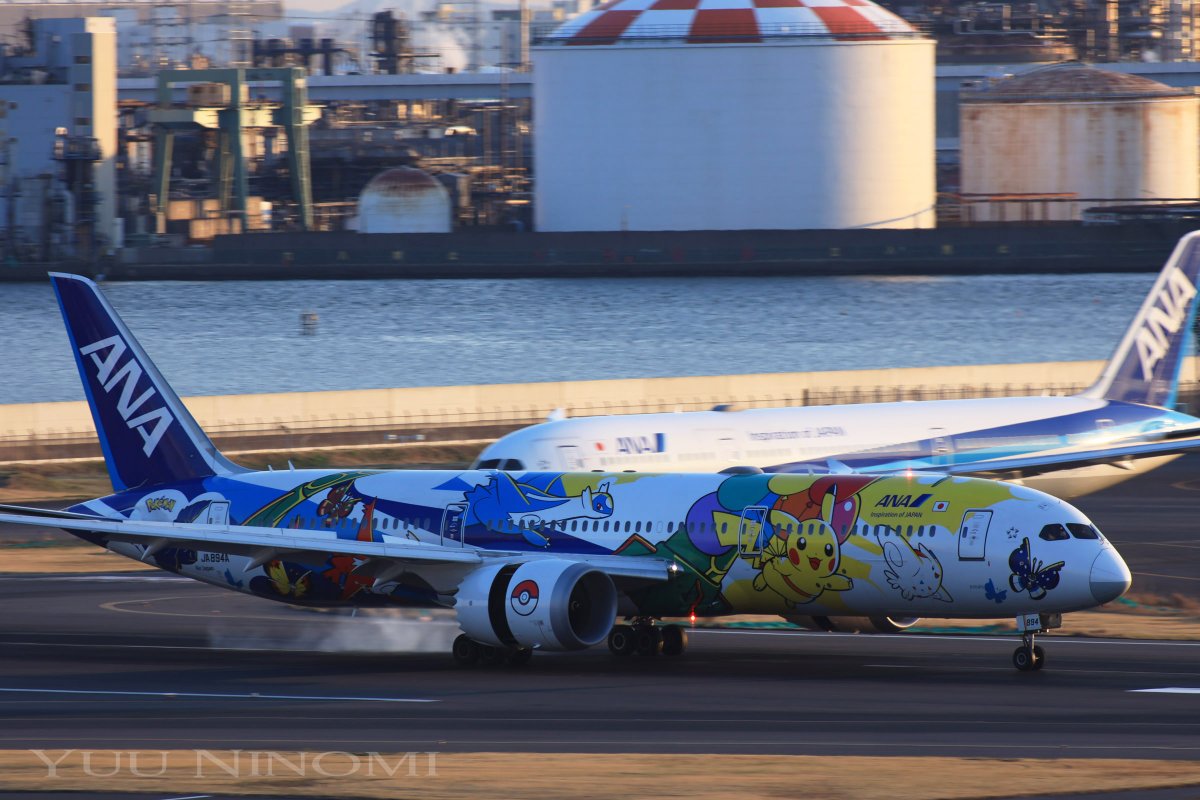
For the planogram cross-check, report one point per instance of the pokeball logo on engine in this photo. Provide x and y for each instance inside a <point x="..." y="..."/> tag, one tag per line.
<point x="524" y="598"/>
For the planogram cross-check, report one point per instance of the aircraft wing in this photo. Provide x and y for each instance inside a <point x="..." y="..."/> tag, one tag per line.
<point x="266" y="544"/>
<point x="1123" y="452"/>
<point x="1071" y="458"/>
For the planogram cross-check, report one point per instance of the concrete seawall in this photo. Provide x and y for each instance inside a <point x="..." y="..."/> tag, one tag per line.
<point x="482" y="253"/>
<point x="451" y="413"/>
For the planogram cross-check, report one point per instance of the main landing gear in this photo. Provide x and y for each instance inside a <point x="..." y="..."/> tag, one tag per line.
<point x="647" y="639"/>
<point x="1029" y="657"/>
<point x="469" y="653"/>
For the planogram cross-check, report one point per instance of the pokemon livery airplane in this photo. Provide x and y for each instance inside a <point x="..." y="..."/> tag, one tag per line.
<point x="552" y="560"/>
<point x="1124" y="425"/>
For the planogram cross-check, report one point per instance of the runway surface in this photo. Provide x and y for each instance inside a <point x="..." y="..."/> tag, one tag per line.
<point x="172" y="664"/>
<point x="1154" y="520"/>
<point x="164" y="662"/>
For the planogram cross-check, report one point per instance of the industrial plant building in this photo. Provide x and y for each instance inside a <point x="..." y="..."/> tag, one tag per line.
<point x="58" y="142"/>
<point x="1056" y="141"/>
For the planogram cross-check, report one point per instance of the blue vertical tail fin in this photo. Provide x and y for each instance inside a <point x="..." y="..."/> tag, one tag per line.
<point x="147" y="435"/>
<point x="1145" y="367"/>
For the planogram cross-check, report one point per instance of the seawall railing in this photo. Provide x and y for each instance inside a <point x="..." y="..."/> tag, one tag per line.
<point x="378" y="418"/>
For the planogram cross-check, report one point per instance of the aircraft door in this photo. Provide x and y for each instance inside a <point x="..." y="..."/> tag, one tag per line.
<point x="751" y="530"/>
<point x="725" y="446"/>
<point x="573" y="458"/>
<point x="972" y="534"/>
<point x="454" y="524"/>
<point x="217" y="513"/>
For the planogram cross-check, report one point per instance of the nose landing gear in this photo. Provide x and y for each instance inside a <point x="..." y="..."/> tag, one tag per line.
<point x="1029" y="657"/>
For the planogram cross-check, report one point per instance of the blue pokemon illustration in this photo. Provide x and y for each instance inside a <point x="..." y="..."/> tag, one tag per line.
<point x="992" y="593"/>
<point x="1030" y="575"/>
<point x="506" y="506"/>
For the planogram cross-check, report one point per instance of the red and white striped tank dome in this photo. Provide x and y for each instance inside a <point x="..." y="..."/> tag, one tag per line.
<point x="729" y="21"/>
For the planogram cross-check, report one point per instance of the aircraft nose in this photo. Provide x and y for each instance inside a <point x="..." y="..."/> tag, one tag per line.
<point x="1110" y="576"/>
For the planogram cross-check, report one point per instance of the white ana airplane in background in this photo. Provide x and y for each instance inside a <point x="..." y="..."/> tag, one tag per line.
<point x="1123" y="425"/>
<point x="551" y="560"/>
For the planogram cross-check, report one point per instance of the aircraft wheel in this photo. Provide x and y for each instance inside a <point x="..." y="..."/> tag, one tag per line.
<point x="492" y="656"/>
<point x="519" y="656"/>
<point x="465" y="651"/>
<point x="621" y="641"/>
<point x="649" y="640"/>
<point x="674" y="640"/>
<point x="1026" y="659"/>
<point x="1039" y="657"/>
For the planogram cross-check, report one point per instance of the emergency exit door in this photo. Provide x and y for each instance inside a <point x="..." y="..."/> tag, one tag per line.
<point x="454" y="523"/>
<point x="972" y="534"/>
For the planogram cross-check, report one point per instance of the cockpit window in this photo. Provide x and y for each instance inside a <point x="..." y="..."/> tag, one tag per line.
<point x="1054" y="532"/>
<point x="1081" y="531"/>
<point x="488" y="463"/>
<point x="513" y="464"/>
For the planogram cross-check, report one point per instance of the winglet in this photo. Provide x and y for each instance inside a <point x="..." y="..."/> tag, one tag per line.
<point x="1146" y="365"/>
<point x="147" y="435"/>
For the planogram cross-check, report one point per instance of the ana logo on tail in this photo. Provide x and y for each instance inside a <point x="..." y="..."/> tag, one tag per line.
<point x="1164" y="318"/>
<point x="151" y="425"/>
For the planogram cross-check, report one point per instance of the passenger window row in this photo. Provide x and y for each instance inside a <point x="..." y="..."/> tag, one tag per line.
<point x="647" y="526"/>
<point x="898" y="530"/>
<point x="506" y="464"/>
<point x="1050" y="532"/>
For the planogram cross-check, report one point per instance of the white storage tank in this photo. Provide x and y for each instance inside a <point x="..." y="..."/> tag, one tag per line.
<point x="729" y="115"/>
<point x="1049" y="143"/>
<point x="404" y="200"/>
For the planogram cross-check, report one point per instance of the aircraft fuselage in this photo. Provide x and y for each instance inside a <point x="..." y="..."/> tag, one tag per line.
<point x="833" y="545"/>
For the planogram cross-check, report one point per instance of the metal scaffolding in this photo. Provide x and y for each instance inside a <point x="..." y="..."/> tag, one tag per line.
<point x="230" y="119"/>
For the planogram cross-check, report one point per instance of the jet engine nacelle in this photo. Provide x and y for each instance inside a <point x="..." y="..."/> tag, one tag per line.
<point x="855" y="624"/>
<point x="548" y="604"/>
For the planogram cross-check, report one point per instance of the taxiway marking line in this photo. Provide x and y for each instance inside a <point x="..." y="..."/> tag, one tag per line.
<point x="210" y="695"/>
<point x="167" y="647"/>
<point x="689" y="747"/>
<point x="115" y="605"/>
<point x="1183" y="544"/>
<point x="1057" y="669"/>
<point x="926" y="667"/>
<point x="1173" y="577"/>
<point x="1169" y="690"/>
<point x="133" y="577"/>
<point x="985" y="638"/>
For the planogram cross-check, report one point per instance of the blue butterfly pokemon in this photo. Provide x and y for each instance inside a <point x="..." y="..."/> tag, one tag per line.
<point x="230" y="580"/>
<point x="993" y="594"/>
<point x="1030" y="575"/>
